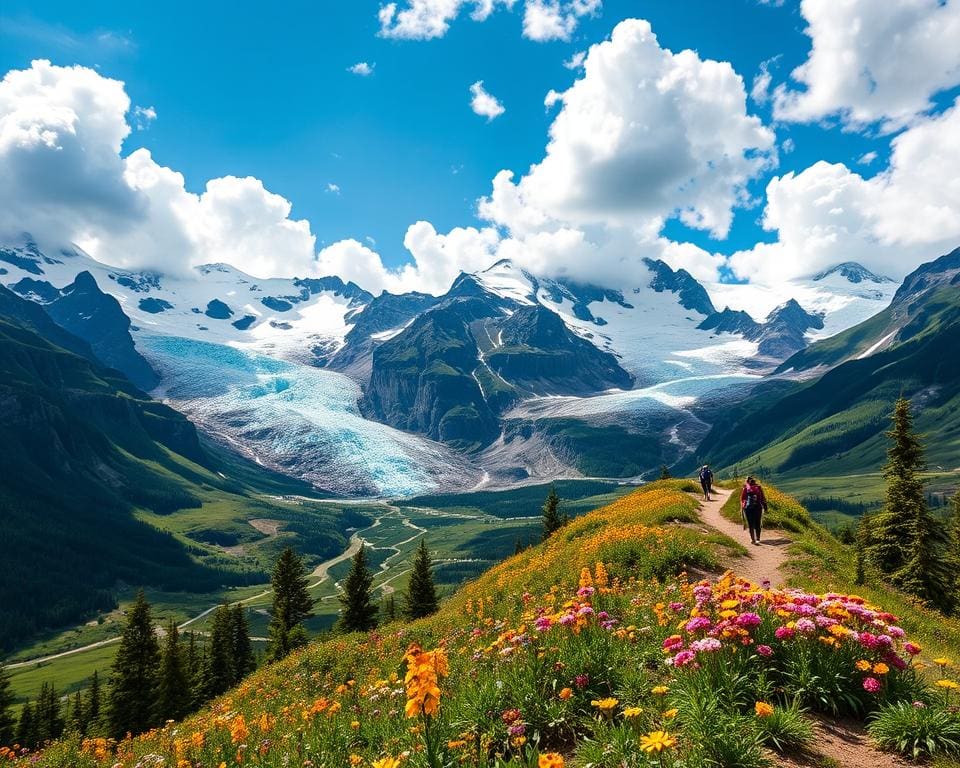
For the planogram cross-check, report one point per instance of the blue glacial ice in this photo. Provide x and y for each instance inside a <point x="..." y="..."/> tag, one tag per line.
<point x="295" y="418"/>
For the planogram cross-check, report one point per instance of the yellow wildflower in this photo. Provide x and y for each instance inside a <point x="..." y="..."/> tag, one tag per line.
<point x="657" y="741"/>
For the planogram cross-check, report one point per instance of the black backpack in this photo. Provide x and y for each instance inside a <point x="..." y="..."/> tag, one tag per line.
<point x="752" y="500"/>
<point x="705" y="474"/>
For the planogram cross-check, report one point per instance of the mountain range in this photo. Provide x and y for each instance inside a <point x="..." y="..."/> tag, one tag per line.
<point x="507" y="376"/>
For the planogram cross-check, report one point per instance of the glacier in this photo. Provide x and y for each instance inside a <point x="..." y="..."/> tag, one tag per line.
<point x="297" y="419"/>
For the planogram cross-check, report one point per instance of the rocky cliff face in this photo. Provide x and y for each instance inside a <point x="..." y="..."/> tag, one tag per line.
<point x="537" y="353"/>
<point x="422" y="379"/>
<point x="96" y="317"/>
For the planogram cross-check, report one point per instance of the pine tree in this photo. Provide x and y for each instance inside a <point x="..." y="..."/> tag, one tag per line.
<point x="26" y="735"/>
<point x="7" y="721"/>
<point x="359" y="612"/>
<point x="421" y="590"/>
<point x="173" y="688"/>
<point x="94" y="707"/>
<point x="665" y="472"/>
<point x="953" y="557"/>
<point x="78" y="713"/>
<point x="292" y="604"/>
<point x="518" y="546"/>
<point x="195" y="664"/>
<point x="906" y="541"/>
<point x="133" y="685"/>
<point x="47" y="714"/>
<point x="388" y="609"/>
<point x="220" y="672"/>
<point x="890" y="527"/>
<point x="243" y="661"/>
<point x="552" y="519"/>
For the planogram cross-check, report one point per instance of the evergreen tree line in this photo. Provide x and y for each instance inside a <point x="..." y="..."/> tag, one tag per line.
<point x="359" y="611"/>
<point x="160" y="676"/>
<point x="916" y="550"/>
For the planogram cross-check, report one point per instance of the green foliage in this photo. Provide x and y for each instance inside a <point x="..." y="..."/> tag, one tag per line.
<point x="787" y="729"/>
<point x="664" y="472"/>
<point x="359" y="612"/>
<point x="173" y="687"/>
<point x="243" y="660"/>
<point x="133" y="683"/>
<point x="917" y="731"/>
<point x="7" y="720"/>
<point x="220" y="672"/>
<point x="292" y="603"/>
<point x="421" y="598"/>
<point x="553" y="520"/>
<point x="905" y="540"/>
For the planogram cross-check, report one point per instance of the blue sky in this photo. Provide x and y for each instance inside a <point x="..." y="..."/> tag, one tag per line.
<point x="257" y="89"/>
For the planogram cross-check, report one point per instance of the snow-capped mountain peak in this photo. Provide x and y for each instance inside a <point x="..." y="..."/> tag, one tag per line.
<point x="852" y="272"/>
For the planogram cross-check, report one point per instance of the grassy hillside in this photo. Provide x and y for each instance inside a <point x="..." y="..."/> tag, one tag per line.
<point x="100" y="480"/>
<point x="557" y="655"/>
<point x="833" y="426"/>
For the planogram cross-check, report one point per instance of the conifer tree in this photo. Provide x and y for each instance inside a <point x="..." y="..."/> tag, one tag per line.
<point x="388" y="608"/>
<point x="518" y="546"/>
<point x="220" y="672"/>
<point x="26" y="735"/>
<point x="195" y="663"/>
<point x="78" y="714"/>
<point x="7" y="721"/>
<point x="243" y="661"/>
<point x="133" y="685"/>
<point x="173" y="689"/>
<point x="421" y="590"/>
<point x="359" y="612"/>
<point x="891" y="527"/>
<point x="47" y="714"/>
<point x="94" y="707"/>
<point x="292" y="604"/>
<point x="552" y="519"/>
<point x="953" y="556"/>
<point x="906" y="541"/>
<point x="665" y="472"/>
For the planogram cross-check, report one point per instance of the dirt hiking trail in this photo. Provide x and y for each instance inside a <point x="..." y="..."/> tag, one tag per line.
<point x="762" y="563"/>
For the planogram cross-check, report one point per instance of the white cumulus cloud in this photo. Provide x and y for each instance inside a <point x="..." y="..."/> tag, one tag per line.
<point x="903" y="216"/>
<point x="64" y="178"/>
<point x="873" y="61"/>
<point x="485" y="104"/>
<point x="429" y="19"/>
<point x="644" y="135"/>
<point x="362" y="68"/>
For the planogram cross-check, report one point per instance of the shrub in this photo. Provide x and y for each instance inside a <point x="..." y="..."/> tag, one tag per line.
<point x="786" y="729"/>
<point x="916" y="730"/>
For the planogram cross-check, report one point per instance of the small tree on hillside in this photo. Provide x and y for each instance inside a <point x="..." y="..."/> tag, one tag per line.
<point x="421" y="590"/>
<point x="94" y="706"/>
<point x="7" y="721"/>
<point x="292" y="604"/>
<point x="243" y="661"/>
<point x="173" y="689"/>
<point x="47" y="714"/>
<point x="891" y="528"/>
<point x="553" y="520"/>
<point x="906" y="542"/>
<point x="133" y="688"/>
<point x="26" y="735"/>
<point x="359" y="612"/>
<point x="665" y="472"/>
<point x="220" y="674"/>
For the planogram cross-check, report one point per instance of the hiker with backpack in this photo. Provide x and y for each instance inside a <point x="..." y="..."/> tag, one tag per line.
<point x="706" y="481"/>
<point x="753" y="505"/>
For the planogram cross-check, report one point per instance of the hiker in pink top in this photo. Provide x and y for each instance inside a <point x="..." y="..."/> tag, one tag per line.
<point x="753" y="505"/>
